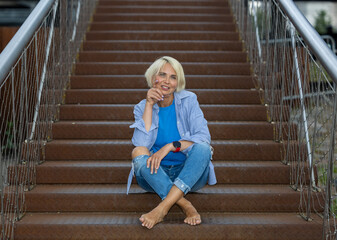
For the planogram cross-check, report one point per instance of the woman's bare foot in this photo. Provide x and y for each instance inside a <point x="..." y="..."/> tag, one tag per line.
<point x="192" y="216"/>
<point x="157" y="215"/>
<point x="152" y="218"/>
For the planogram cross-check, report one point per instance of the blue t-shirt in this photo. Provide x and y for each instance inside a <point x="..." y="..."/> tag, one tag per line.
<point x="167" y="133"/>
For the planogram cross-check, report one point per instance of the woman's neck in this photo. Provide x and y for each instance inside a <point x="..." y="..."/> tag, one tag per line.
<point x="167" y="101"/>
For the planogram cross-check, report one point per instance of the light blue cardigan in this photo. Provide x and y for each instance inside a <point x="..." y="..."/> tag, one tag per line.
<point x="192" y="126"/>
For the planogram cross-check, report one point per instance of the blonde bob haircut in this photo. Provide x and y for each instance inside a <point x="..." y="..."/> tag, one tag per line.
<point x="158" y="64"/>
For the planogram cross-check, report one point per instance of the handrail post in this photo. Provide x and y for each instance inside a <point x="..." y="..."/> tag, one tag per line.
<point x="257" y="30"/>
<point x="304" y="115"/>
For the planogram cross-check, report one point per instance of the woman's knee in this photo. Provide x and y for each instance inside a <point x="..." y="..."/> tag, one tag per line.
<point x="139" y="163"/>
<point x="137" y="151"/>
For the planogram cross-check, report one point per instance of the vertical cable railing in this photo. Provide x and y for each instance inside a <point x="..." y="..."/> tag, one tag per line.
<point x="34" y="72"/>
<point x="296" y="73"/>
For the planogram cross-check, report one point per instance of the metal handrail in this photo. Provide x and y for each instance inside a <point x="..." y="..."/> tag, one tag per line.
<point x="298" y="76"/>
<point x="311" y="37"/>
<point x="34" y="73"/>
<point x="20" y="40"/>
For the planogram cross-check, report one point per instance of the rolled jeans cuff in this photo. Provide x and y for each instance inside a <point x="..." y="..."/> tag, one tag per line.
<point x="182" y="186"/>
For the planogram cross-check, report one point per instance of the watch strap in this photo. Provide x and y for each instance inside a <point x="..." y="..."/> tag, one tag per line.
<point x="177" y="145"/>
<point x="177" y="150"/>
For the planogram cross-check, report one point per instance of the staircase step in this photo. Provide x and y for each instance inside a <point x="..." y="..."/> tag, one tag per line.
<point x="104" y="3"/>
<point x="125" y="112"/>
<point x="170" y="17"/>
<point x="121" y="130"/>
<point x="243" y="150"/>
<point x="148" y="56"/>
<point x="216" y="226"/>
<point x="161" y="35"/>
<point x="138" y="81"/>
<point x="112" y="197"/>
<point x="138" y="68"/>
<point x="108" y="172"/>
<point x="163" y="45"/>
<point x="129" y="96"/>
<point x="168" y="26"/>
<point x="163" y="9"/>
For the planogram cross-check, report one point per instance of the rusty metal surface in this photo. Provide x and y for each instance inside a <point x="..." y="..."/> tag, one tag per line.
<point x="133" y="96"/>
<point x="96" y="112"/>
<point x="174" y="17"/>
<point x="247" y="150"/>
<point x="160" y="3"/>
<point x="102" y="172"/>
<point x="112" y="197"/>
<point x="88" y="149"/>
<point x="164" y="9"/>
<point x="157" y="45"/>
<point x="164" y="25"/>
<point x="125" y="112"/>
<point x="276" y="226"/>
<point x="245" y="130"/>
<point x="115" y="172"/>
<point x="138" y="68"/>
<point x="162" y="35"/>
<point x="148" y="56"/>
<point x="81" y="149"/>
<point x="138" y="81"/>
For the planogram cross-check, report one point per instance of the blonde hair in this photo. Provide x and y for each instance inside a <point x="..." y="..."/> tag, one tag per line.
<point x="159" y="63"/>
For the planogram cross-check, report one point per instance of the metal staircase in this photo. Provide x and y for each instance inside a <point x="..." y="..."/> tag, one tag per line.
<point x="80" y="191"/>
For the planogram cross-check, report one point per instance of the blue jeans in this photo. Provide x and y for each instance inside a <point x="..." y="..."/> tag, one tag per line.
<point x="190" y="176"/>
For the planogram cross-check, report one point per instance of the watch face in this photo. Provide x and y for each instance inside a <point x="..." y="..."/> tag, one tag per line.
<point x="176" y="144"/>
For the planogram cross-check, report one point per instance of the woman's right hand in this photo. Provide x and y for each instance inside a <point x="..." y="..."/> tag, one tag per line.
<point x="154" y="94"/>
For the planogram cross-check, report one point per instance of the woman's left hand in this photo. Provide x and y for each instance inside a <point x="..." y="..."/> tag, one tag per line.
<point x="155" y="159"/>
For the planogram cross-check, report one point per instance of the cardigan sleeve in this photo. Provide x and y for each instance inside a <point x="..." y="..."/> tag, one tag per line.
<point x="141" y="137"/>
<point x="197" y="124"/>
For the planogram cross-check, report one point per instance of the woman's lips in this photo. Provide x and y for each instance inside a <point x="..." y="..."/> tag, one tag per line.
<point x="165" y="88"/>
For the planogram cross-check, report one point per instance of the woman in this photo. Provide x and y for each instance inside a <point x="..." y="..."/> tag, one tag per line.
<point x="172" y="142"/>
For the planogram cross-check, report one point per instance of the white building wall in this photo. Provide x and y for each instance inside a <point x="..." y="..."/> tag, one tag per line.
<point x="310" y="11"/>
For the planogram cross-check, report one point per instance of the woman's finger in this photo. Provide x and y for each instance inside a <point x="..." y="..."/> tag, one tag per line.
<point x="157" y="165"/>
<point x="153" y="162"/>
<point x="148" y="162"/>
<point x="154" y="94"/>
<point x="159" y="92"/>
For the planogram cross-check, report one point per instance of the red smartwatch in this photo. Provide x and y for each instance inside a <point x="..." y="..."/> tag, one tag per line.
<point x="177" y="145"/>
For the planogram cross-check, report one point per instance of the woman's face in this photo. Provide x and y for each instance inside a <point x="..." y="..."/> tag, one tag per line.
<point x="166" y="80"/>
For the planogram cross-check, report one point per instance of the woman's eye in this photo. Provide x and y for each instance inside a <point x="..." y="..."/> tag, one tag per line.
<point x="162" y="74"/>
<point x="174" y="77"/>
